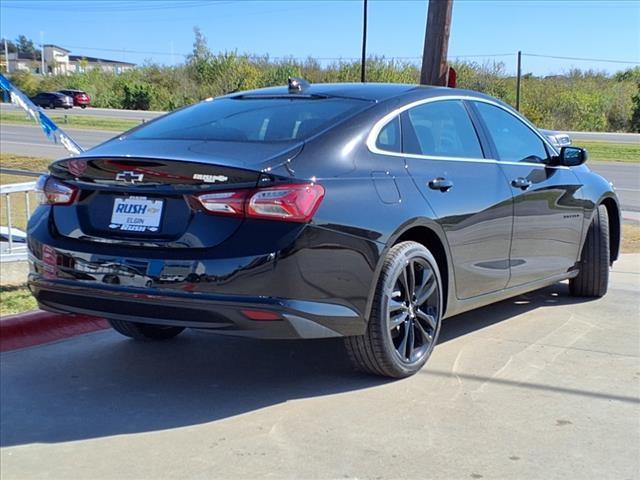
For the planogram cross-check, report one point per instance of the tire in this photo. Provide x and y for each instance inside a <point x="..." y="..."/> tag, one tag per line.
<point x="143" y="331"/>
<point x="52" y="106"/>
<point x="399" y="320"/>
<point x="593" y="279"/>
<point x="83" y="106"/>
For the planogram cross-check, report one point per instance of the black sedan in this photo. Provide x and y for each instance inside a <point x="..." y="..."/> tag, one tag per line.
<point x="53" y="100"/>
<point x="364" y="211"/>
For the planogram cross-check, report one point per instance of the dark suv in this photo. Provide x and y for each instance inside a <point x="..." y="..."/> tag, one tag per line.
<point x="52" y="100"/>
<point x="364" y="211"/>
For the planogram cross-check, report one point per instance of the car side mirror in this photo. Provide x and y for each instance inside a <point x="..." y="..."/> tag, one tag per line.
<point x="571" y="156"/>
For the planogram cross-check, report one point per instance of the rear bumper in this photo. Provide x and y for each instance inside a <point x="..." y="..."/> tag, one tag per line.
<point x="318" y="285"/>
<point x="222" y="314"/>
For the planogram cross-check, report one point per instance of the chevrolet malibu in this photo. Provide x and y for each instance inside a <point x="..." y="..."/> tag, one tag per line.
<point x="364" y="211"/>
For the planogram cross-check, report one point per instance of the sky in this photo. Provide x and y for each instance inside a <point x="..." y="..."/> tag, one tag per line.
<point x="481" y="30"/>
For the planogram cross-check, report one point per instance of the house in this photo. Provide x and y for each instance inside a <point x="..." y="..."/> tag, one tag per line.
<point x="57" y="61"/>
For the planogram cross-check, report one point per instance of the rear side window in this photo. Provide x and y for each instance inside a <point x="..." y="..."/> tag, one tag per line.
<point x="514" y="140"/>
<point x="441" y="128"/>
<point x="252" y="119"/>
<point x="389" y="137"/>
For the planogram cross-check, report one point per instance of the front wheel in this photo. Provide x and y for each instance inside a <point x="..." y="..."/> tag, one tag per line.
<point x="143" y="331"/>
<point x="83" y="106"/>
<point x="593" y="279"/>
<point x="405" y="317"/>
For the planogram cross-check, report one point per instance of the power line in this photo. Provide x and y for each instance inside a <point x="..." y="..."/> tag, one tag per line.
<point x="607" y="60"/>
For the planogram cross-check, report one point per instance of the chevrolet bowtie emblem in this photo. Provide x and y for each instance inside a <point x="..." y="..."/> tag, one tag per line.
<point x="129" y="177"/>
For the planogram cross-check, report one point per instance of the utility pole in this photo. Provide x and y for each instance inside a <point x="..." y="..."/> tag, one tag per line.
<point x="436" y="43"/>
<point x="364" y="43"/>
<point x="6" y="56"/>
<point x="518" y="77"/>
<point x="42" y="53"/>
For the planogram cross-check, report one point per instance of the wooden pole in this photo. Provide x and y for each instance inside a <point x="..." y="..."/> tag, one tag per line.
<point x="364" y="43"/>
<point x="436" y="43"/>
<point x="518" y="77"/>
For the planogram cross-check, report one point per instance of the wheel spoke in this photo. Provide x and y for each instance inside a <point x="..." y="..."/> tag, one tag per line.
<point x="428" y="338"/>
<point x="402" y="348"/>
<point x="410" y="340"/>
<point x="411" y="279"/>
<point x="395" y="305"/>
<point x="431" y="321"/>
<point x="425" y="291"/>
<point x="396" y="320"/>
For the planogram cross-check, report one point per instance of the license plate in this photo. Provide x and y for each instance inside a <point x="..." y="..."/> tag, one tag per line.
<point x="136" y="214"/>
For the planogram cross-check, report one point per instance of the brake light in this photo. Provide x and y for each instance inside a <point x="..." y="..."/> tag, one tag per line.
<point x="224" y="203"/>
<point x="290" y="203"/>
<point x="51" y="191"/>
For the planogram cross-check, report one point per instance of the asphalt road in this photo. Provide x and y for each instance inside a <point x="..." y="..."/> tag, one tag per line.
<point x="542" y="386"/>
<point x="30" y="140"/>
<point x="94" y="112"/>
<point x="606" y="137"/>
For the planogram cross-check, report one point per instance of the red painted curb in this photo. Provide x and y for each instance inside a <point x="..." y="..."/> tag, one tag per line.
<point x="37" y="327"/>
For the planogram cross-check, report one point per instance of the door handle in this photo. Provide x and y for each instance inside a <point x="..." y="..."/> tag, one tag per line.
<point x="521" y="182"/>
<point x="441" y="184"/>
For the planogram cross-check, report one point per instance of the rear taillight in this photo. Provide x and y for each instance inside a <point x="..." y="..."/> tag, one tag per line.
<point x="51" y="191"/>
<point x="290" y="203"/>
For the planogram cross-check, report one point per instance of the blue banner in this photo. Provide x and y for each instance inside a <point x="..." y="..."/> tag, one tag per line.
<point x="51" y="130"/>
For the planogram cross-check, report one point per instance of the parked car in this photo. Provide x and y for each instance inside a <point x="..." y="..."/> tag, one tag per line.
<point x="364" y="211"/>
<point x="52" y="100"/>
<point x="557" y="139"/>
<point x="80" y="99"/>
<point x="18" y="239"/>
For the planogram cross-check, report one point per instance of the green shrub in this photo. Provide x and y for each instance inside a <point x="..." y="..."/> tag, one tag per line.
<point x="577" y="100"/>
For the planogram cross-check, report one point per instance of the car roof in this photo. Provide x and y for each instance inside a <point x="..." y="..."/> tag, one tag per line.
<point x="364" y="91"/>
<point x="377" y="92"/>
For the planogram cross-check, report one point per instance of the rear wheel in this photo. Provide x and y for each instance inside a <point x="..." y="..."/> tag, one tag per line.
<point x="405" y="317"/>
<point x="143" y="331"/>
<point x="83" y="106"/>
<point x="593" y="279"/>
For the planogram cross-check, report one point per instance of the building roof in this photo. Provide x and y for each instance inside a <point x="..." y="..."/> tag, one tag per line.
<point x="77" y="58"/>
<point x="51" y="45"/>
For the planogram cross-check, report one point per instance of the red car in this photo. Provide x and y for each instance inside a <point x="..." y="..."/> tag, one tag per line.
<point x="80" y="98"/>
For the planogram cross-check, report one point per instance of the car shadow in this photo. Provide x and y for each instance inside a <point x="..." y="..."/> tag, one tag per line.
<point x="101" y="384"/>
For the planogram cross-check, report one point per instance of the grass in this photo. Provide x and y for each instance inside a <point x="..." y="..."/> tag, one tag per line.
<point x="630" y="238"/>
<point x="73" y="121"/>
<point x="16" y="300"/>
<point x="611" y="152"/>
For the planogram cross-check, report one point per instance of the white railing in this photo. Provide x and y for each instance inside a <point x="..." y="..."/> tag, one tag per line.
<point x="12" y="250"/>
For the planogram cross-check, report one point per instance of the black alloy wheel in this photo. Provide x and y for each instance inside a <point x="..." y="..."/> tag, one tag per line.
<point x="405" y="318"/>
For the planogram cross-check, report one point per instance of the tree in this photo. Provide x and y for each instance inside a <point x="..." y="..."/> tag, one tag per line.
<point x="10" y="45"/>
<point x="635" y="117"/>
<point x="201" y="50"/>
<point x="26" y="47"/>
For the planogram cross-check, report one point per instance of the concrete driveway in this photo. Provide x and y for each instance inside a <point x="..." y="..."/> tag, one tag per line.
<point x="540" y="386"/>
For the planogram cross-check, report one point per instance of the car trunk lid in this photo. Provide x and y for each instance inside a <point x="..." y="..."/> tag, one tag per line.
<point x="146" y="200"/>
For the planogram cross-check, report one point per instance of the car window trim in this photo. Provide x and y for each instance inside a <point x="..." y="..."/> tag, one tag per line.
<point x="380" y="124"/>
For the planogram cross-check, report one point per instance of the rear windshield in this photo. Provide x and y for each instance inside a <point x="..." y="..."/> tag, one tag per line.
<point x="251" y="119"/>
